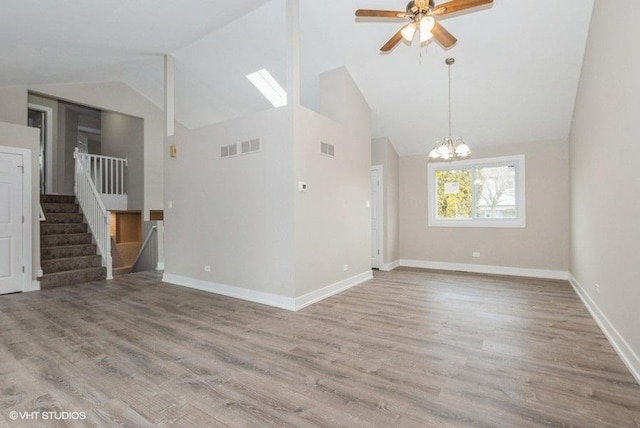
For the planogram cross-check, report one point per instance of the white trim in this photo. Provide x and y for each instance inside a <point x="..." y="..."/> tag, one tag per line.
<point x="488" y="269"/>
<point x="160" y="266"/>
<point x="231" y="291"/>
<point x="270" y="299"/>
<point x="35" y="286"/>
<point x="386" y="267"/>
<point x="626" y="353"/>
<point x="330" y="290"/>
<point x="380" y="171"/>
<point x="27" y="227"/>
<point x="521" y="209"/>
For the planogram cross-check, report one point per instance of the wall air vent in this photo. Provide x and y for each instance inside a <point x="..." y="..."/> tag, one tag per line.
<point x="250" y="146"/>
<point x="228" y="151"/>
<point x="327" y="149"/>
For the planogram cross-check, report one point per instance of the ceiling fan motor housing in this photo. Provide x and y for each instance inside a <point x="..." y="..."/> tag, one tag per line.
<point x="420" y="6"/>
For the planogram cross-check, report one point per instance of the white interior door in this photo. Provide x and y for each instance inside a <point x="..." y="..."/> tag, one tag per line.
<point x="11" y="254"/>
<point x="376" y="229"/>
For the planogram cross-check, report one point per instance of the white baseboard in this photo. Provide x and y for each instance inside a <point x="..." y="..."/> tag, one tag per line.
<point x="330" y="290"/>
<point x="386" y="267"/>
<point x="160" y="266"/>
<point x="35" y="286"/>
<point x="626" y="353"/>
<point x="489" y="269"/>
<point x="276" y="300"/>
<point x="269" y="299"/>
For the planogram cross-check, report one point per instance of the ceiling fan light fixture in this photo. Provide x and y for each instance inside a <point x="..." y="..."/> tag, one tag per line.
<point x="408" y="31"/>
<point x="426" y="25"/>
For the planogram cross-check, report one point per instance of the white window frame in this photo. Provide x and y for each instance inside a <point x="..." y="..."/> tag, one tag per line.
<point x="521" y="209"/>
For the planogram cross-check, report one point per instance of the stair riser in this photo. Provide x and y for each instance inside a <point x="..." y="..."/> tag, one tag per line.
<point x="56" y="218"/>
<point x="73" y="263"/>
<point x="62" y="229"/>
<point x="50" y="208"/>
<point x="65" y="240"/>
<point x="68" y="251"/>
<point x="57" y="199"/>
<point x="72" y="277"/>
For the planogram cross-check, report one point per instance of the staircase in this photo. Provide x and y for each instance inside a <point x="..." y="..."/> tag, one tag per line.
<point x="67" y="253"/>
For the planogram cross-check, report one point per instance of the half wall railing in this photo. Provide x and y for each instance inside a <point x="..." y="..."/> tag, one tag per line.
<point x="98" y="218"/>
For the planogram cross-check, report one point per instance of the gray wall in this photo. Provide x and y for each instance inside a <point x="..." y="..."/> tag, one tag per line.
<point x="123" y="137"/>
<point x="332" y="220"/>
<point x="383" y="153"/>
<point x="604" y="176"/>
<point x="233" y="214"/>
<point x="66" y="143"/>
<point x="542" y="244"/>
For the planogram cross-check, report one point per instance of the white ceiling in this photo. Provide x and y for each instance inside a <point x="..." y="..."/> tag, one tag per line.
<point x="515" y="78"/>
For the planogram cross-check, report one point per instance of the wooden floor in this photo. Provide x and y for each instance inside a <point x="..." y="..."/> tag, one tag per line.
<point x="409" y="348"/>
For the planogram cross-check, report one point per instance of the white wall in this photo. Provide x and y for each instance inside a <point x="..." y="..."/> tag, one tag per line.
<point x="383" y="153"/>
<point x="604" y="177"/>
<point x="539" y="249"/>
<point x="28" y="138"/>
<point x="109" y="96"/>
<point x="123" y="137"/>
<point x="233" y="214"/>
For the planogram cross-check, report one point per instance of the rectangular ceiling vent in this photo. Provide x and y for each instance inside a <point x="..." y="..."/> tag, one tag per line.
<point x="250" y="146"/>
<point x="228" y="151"/>
<point x="327" y="149"/>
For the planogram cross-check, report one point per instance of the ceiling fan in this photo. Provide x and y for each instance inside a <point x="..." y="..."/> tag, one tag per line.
<point x="422" y="14"/>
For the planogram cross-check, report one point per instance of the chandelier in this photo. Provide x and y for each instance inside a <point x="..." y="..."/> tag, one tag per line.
<point x="450" y="148"/>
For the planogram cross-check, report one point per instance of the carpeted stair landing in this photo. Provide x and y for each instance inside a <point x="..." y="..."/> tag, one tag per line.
<point x="67" y="253"/>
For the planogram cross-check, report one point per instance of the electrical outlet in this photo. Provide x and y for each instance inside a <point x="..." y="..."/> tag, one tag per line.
<point x="597" y="288"/>
<point x="345" y="267"/>
<point x="476" y="254"/>
<point x="207" y="268"/>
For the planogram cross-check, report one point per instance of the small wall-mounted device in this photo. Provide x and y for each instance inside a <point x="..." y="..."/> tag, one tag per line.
<point x="173" y="151"/>
<point x="302" y="186"/>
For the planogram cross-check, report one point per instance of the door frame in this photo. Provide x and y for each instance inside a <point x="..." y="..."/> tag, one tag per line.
<point x="48" y="145"/>
<point x="379" y="169"/>
<point x="27" y="232"/>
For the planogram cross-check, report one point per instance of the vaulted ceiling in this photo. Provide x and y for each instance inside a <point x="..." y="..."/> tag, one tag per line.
<point x="515" y="78"/>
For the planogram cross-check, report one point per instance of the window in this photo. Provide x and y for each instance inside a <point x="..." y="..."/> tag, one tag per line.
<point x="477" y="193"/>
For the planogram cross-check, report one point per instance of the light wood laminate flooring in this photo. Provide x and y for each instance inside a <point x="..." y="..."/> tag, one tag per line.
<point x="410" y="348"/>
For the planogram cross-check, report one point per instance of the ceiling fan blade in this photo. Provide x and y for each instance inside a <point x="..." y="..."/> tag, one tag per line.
<point x="393" y="41"/>
<point x="458" y="5"/>
<point x="380" y="13"/>
<point x="445" y="38"/>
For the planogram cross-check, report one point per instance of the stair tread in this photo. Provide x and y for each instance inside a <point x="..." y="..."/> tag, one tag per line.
<point x="75" y="270"/>
<point x="67" y="246"/>
<point x="70" y="277"/>
<point x="72" y="257"/>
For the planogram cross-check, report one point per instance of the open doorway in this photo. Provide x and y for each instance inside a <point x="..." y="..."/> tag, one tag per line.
<point x="41" y="117"/>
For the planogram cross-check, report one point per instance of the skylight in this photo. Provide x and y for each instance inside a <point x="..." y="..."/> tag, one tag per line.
<point x="268" y="86"/>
